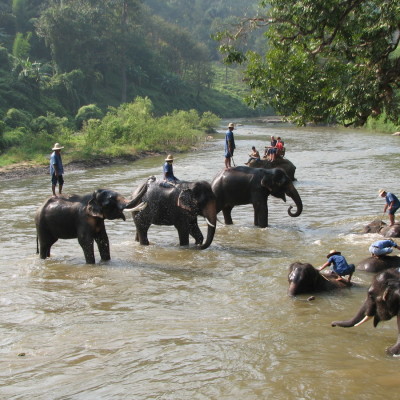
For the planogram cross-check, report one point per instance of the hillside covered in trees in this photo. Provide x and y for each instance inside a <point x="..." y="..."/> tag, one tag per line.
<point x="63" y="62"/>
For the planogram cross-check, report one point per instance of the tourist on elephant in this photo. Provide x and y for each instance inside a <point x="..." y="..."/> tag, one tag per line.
<point x="254" y="155"/>
<point x="382" y="247"/>
<point x="339" y="265"/>
<point x="169" y="176"/>
<point x="229" y="145"/>
<point x="270" y="150"/>
<point x="392" y="204"/>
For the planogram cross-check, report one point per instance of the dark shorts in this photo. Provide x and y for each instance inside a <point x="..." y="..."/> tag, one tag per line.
<point x="57" y="179"/>
<point x="393" y="210"/>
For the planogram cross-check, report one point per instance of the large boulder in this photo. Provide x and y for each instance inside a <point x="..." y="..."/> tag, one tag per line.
<point x="283" y="163"/>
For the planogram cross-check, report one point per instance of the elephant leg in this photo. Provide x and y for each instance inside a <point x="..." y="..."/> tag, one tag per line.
<point x="136" y="236"/>
<point x="195" y="232"/>
<point x="183" y="232"/>
<point x="141" y="234"/>
<point x="87" y="247"/>
<point x="227" y="210"/>
<point x="260" y="213"/>
<point x="45" y="246"/>
<point x="395" y="349"/>
<point x="103" y="245"/>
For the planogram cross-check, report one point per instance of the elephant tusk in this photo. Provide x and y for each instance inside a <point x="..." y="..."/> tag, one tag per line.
<point x="365" y="319"/>
<point x="140" y="207"/>
<point x="209" y="223"/>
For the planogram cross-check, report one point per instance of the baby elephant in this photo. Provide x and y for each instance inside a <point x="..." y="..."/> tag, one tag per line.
<point x="304" y="278"/>
<point x="82" y="217"/>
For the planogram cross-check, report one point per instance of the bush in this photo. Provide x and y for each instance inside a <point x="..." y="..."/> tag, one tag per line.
<point x="17" y="118"/>
<point x="85" y="113"/>
<point x="49" y="124"/>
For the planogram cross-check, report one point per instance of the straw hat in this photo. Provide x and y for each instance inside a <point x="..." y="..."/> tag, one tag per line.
<point x="333" y="252"/>
<point x="381" y="191"/>
<point x="57" y="146"/>
<point x="169" y="158"/>
<point x="231" y="125"/>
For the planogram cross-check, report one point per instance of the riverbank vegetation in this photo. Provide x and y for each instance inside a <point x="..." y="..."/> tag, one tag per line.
<point x="64" y="66"/>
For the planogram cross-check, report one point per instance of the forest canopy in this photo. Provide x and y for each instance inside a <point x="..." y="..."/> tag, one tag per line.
<point x="324" y="61"/>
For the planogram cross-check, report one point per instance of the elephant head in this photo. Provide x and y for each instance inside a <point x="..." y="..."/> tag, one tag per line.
<point x="279" y="185"/>
<point x="382" y="304"/>
<point x="198" y="199"/>
<point x="108" y="204"/>
<point x="304" y="278"/>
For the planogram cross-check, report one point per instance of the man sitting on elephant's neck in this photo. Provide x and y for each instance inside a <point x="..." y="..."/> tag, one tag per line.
<point x="339" y="265"/>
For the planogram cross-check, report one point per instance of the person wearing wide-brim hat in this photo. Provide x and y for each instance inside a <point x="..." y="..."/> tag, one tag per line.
<point x="169" y="170"/>
<point x="56" y="169"/>
<point x="392" y="204"/>
<point x="229" y="145"/>
<point x="339" y="265"/>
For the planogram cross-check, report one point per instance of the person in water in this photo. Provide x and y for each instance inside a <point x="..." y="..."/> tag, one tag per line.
<point x="229" y="145"/>
<point x="56" y="169"/>
<point x="339" y="265"/>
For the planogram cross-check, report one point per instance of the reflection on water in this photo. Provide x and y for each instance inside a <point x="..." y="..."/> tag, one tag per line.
<point x="176" y="323"/>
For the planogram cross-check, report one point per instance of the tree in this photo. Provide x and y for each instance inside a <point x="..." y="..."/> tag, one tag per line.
<point x="326" y="61"/>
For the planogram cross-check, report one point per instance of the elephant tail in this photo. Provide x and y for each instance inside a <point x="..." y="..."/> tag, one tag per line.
<point x="37" y="244"/>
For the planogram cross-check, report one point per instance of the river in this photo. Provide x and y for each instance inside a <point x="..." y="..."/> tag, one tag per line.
<point x="164" y="322"/>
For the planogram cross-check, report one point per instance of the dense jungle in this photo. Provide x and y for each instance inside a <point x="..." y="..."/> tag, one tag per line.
<point x="64" y="63"/>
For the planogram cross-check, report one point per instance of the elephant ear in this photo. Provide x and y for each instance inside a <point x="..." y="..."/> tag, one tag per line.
<point x="93" y="207"/>
<point x="186" y="201"/>
<point x="274" y="178"/>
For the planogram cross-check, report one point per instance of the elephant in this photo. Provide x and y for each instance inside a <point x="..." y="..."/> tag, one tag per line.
<point x="82" y="217"/>
<point x="283" y="163"/>
<point x="178" y="205"/>
<point x="378" y="226"/>
<point x="378" y="264"/>
<point x="382" y="303"/>
<point x="245" y="185"/>
<point x="304" y="278"/>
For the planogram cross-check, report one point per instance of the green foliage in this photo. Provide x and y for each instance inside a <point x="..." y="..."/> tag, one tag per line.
<point x="133" y="126"/>
<point x="326" y="61"/>
<point x="49" y="124"/>
<point x="85" y="113"/>
<point x="17" y="118"/>
<point x="21" y="46"/>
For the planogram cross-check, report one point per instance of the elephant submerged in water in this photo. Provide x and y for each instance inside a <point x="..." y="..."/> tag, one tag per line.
<point x="246" y="185"/>
<point x="378" y="264"/>
<point x="82" y="217"/>
<point x="382" y="304"/>
<point x="178" y="205"/>
<point x="378" y="226"/>
<point x="304" y="278"/>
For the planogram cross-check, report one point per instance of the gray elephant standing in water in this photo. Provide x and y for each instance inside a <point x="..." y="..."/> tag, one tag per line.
<point x="244" y="185"/>
<point x="178" y="205"/>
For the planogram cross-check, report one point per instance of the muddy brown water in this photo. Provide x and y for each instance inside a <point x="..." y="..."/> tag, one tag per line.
<point x="164" y="322"/>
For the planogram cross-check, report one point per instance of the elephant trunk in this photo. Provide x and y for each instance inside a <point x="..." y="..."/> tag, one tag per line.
<point x="210" y="213"/>
<point x="137" y="196"/>
<point x="294" y="195"/>
<point x="357" y="320"/>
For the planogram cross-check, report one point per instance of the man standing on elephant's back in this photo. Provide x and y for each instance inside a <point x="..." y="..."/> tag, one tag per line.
<point x="229" y="145"/>
<point x="56" y="169"/>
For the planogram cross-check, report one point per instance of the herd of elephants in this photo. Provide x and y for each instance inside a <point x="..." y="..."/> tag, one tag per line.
<point x="179" y="205"/>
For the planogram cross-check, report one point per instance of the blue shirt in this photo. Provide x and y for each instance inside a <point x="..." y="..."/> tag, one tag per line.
<point x="340" y="265"/>
<point x="229" y="139"/>
<point x="55" y="159"/>
<point x="383" y="244"/>
<point x="169" y="172"/>
<point x="391" y="197"/>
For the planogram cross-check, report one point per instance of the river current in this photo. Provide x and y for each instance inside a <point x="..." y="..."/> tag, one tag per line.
<point x="165" y="322"/>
